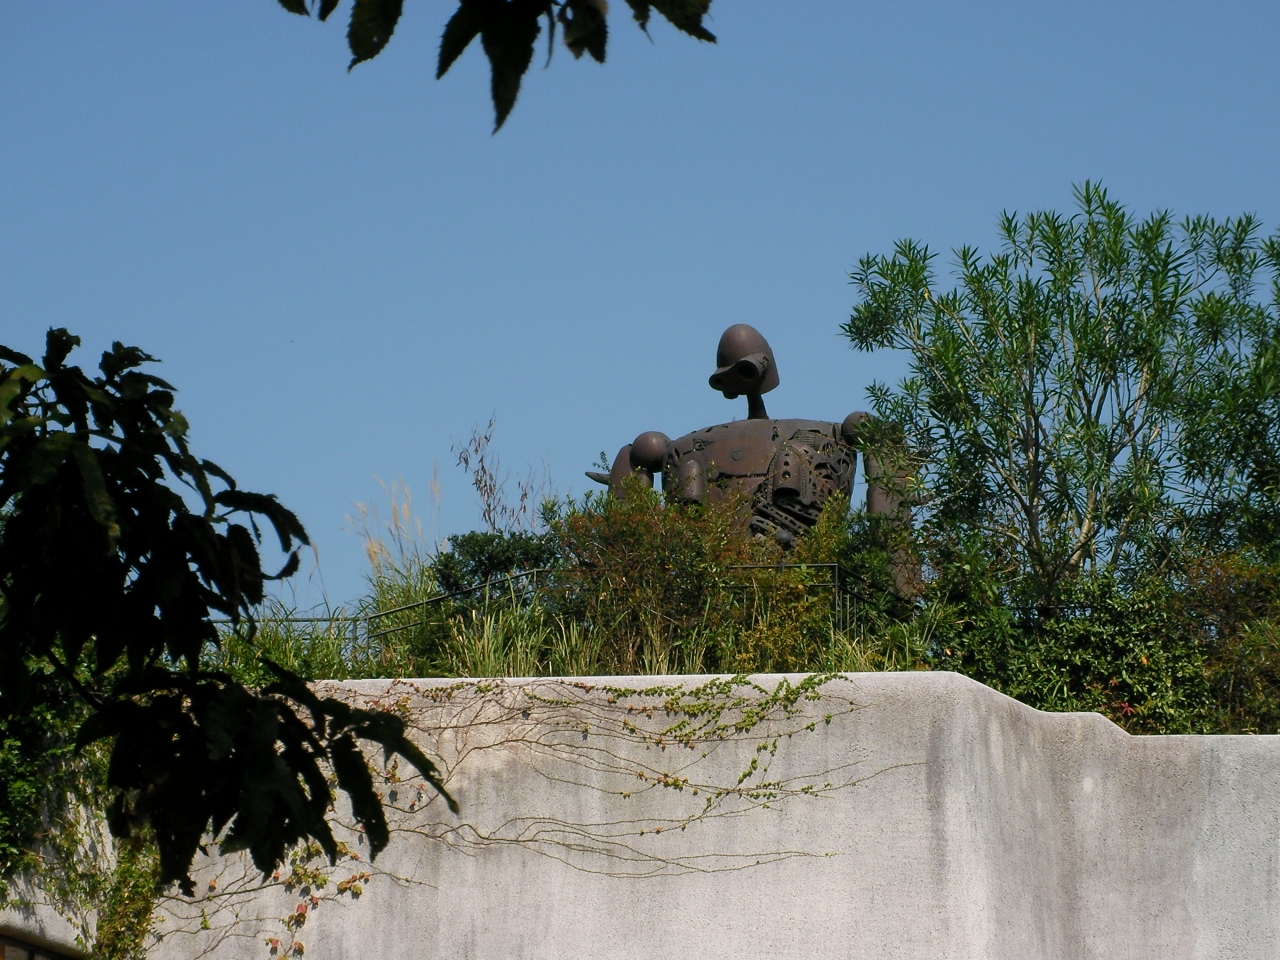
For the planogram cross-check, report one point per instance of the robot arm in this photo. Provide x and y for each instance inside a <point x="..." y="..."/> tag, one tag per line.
<point x="886" y="497"/>
<point x="885" y="488"/>
<point x="642" y="458"/>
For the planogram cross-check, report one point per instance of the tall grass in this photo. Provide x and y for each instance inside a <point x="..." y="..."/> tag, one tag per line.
<point x="633" y="586"/>
<point x="320" y="647"/>
<point x="759" y="627"/>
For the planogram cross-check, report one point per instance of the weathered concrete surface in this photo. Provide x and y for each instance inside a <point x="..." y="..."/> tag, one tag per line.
<point x="38" y="924"/>
<point x="922" y="816"/>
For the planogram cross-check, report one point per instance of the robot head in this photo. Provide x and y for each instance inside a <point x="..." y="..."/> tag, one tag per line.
<point x="744" y="363"/>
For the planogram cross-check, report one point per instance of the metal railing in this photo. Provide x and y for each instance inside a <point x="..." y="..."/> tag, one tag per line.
<point x="846" y="588"/>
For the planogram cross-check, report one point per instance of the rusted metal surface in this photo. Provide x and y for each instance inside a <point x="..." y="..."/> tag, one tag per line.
<point x="785" y="469"/>
<point x="745" y="365"/>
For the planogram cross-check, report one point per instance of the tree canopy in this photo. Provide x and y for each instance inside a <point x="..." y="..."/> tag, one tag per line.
<point x="118" y="549"/>
<point x="1098" y="395"/>
<point x="1090" y="429"/>
<point x="508" y="31"/>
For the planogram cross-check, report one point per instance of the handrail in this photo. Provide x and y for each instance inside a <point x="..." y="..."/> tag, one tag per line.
<point x="509" y="578"/>
<point x="512" y="578"/>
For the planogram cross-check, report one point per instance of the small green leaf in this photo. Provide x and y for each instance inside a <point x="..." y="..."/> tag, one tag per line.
<point x="354" y="779"/>
<point x="286" y="524"/>
<point x="47" y="455"/>
<point x="27" y="371"/>
<point x="640" y="10"/>
<point x="585" y="28"/>
<point x="372" y="23"/>
<point x="463" y="27"/>
<point x="289" y="569"/>
<point x="289" y="684"/>
<point x="121" y="358"/>
<point x="175" y="424"/>
<point x="508" y="36"/>
<point x="686" y="15"/>
<point x="101" y="506"/>
<point x="58" y="344"/>
<point x="13" y="356"/>
<point x="296" y="6"/>
<point x="387" y="730"/>
<point x="97" y="726"/>
<point x="210" y="467"/>
<point x="8" y="390"/>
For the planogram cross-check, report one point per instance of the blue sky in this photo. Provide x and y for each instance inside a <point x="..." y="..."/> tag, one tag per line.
<point x="344" y="273"/>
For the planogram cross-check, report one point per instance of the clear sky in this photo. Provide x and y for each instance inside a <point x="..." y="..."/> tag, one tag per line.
<point x="344" y="273"/>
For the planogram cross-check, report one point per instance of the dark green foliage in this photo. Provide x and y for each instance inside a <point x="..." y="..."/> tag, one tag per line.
<point x="1235" y="599"/>
<point x="479" y="557"/>
<point x="1231" y="410"/>
<point x="1244" y="674"/>
<point x="508" y="33"/>
<point x="508" y="30"/>
<point x="1088" y="397"/>
<point x="463" y="27"/>
<point x="24" y="763"/>
<point x="125" y="916"/>
<point x="646" y="576"/>
<point x="684" y="15"/>
<point x="108" y="582"/>
<point x="585" y="28"/>
<point x="1089" y="437"/>
<point x="1091" y="432"/>
<point x="621" y="586"/>
<point x="641" y="586"/>
<point x="1121" y="651"/>
<point x="372" y="23"/>
<point x="36" y="776"/>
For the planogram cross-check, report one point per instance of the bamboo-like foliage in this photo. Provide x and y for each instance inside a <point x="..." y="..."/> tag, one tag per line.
<point x="1070" y="397"/>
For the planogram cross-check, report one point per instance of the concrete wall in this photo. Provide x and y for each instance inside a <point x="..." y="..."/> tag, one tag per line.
<point x="892" y="815"/>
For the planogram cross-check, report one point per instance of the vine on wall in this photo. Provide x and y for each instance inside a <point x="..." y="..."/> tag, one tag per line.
<point x="663" y="758"/>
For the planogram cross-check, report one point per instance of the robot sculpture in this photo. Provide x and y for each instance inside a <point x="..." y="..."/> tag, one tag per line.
<point x="787" y="469"/>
